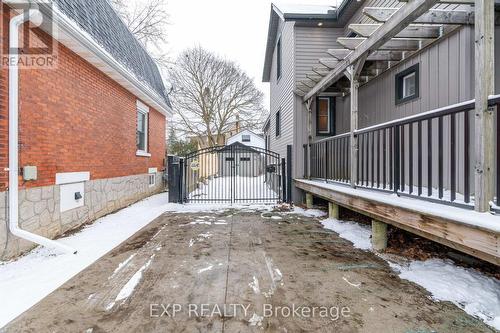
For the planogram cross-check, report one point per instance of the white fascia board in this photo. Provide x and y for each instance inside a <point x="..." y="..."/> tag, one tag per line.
<point x="86" y="47"/>
<point x="72" y="177"/>
<point x="142" y="107"/>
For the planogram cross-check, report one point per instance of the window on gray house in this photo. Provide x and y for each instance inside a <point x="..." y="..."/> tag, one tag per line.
<point x="245" y="138"/>
<point x="278" y="123"/>
<point x="278" y="59"/>
<point x="407" y="84"/>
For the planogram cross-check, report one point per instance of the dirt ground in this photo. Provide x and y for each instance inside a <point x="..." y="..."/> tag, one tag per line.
<point x="240" y="271"/>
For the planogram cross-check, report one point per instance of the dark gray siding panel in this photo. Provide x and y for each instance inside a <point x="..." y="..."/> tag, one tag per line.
<point x="446" y="76"/>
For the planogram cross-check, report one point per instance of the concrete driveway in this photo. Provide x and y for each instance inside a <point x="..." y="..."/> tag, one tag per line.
<point x="240" y="271"/>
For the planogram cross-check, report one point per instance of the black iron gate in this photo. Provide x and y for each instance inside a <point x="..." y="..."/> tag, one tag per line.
<point x="232" y="174"/>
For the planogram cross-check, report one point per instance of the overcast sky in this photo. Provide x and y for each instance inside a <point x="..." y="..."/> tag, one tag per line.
<point x="236" y="29"/>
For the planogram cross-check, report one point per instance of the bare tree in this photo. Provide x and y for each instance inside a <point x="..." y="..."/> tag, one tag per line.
<point x="210" y="95"/>
<point x="148" y="21"/>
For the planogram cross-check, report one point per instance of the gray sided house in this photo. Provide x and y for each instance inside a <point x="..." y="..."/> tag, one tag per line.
<point x="378" y="97"/>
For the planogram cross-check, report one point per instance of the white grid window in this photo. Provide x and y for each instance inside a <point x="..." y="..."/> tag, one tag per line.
<point x="141" y="134"/>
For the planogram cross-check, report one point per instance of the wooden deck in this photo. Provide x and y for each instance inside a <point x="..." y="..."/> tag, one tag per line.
<point x="477" y="234"/>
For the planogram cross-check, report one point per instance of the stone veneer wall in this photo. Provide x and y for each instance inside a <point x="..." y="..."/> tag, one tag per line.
<point x="39" y="210"/>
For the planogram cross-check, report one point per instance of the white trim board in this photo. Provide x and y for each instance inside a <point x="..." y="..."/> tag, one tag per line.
<point x="72" y="177"/>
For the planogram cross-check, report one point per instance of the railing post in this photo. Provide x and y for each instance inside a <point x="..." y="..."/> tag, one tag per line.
<point x="289" y="173"/>
<point x="484" y="86"/>
<point x="354" y="127"/>
<point x="283" y="179"/>
<point x="326" y="161"/>
<point x="397" y="160"/>
<point x="498" y="156"/>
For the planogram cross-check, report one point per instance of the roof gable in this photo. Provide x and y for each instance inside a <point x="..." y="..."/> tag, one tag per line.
<point x="330" y="16"/>
<point x="98" y="19"/>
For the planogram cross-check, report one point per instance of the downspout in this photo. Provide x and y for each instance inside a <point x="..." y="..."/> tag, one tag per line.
<point x="14" y="228"/>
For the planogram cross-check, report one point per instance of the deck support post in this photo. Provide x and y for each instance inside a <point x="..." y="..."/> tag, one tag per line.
<point x="309" y="201"/>
<point x="379" y="235"/>
<point x="484" y="116"/>
<point x="333" y="211"/>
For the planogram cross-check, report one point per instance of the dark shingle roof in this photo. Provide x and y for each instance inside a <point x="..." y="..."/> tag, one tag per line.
<point x="100" y="21"/>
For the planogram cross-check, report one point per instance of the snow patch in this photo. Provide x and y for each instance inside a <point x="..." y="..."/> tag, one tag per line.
<point x="357" y="234"/>
<point x="121" y="265"/>
<point x="256" y="320"/>
<point x="131" y="284"/>
<point x="275" y="275"/>
<point x="255" y="285"/>
<point x="469" y="289"/>
<point x="307" y="212"/>
<point x="355" y="285"/>
<point x="474" y="292"/>
<point x="205" y="269"/>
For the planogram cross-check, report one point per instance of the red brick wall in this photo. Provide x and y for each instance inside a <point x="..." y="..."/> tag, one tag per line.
<point x="75" y="118"/>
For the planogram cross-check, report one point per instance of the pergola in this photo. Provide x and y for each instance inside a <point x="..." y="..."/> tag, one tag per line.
<point x="396" y="34"/>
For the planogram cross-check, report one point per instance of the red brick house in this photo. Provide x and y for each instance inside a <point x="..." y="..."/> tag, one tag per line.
<point x="91" y="127"/>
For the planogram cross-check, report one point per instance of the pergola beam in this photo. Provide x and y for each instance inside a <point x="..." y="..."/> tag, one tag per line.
<point x="412" y="31"/>
<point x="321" y="70"/>
<point x="397" y="22"/>
<point x="339" y="54"/>
<point x="432" y="16"/>
<point x="315" y="78"/>
<point x="375" y="56"/>
<point x="400" y="44"/>
<point x="307" y="84"/>
<point x="329" y="63"/>
<point x="455" y="2"/>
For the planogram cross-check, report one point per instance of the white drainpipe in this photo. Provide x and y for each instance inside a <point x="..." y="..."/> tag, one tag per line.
<point x="15" y="23"/>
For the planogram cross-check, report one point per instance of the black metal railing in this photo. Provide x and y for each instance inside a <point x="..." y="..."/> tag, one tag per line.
<point x="429" y="155"/>
<point x="330" y="158"/>
<point x="421" y="156"/>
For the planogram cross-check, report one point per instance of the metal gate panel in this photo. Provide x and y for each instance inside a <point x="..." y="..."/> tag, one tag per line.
<point x="232" y="174"/>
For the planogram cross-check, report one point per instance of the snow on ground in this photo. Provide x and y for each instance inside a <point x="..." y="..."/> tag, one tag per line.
<point x="357" y="233"/>
<point x="26" y="281"/>
<point x="243" y="188"/>
<point x="474" y="292"/>
<point x="308" y="212"/>
<point x="129" y="287"/>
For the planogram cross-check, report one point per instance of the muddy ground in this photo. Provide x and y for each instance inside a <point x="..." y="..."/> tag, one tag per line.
<point x="240" y="271"/>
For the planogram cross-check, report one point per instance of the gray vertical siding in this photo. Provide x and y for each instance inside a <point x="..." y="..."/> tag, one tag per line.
<point x="311" y="44"/>
<point x="282" y="91"/>
<point x="446" y="77"/>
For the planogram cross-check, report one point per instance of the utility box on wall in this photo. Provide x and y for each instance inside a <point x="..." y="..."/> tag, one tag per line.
<point x="72" y="189"/>
<point x="30" y="172"/>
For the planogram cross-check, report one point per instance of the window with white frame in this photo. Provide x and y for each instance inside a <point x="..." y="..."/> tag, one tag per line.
<point x="152" y="180"/>
<point x="245" y="138"/>
<point x="142" y="129"/>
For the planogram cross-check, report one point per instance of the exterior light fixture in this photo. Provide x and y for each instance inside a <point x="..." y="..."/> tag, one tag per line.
<point x="320" y="24"/>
